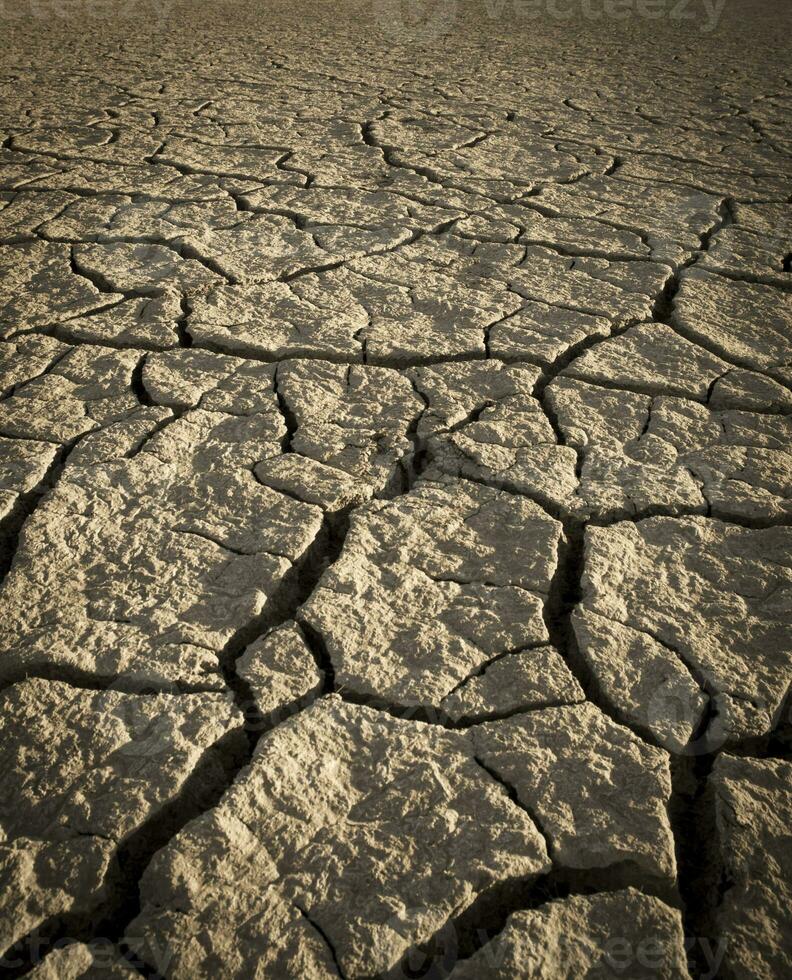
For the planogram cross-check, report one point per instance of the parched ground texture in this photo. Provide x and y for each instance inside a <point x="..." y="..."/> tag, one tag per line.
<point x="395" y="488"/>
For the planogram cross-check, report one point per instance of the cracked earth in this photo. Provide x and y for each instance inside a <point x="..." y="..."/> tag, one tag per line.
<point x="395" y="487"/>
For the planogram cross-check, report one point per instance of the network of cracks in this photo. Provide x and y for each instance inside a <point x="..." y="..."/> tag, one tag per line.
<point x="396" y="512"/>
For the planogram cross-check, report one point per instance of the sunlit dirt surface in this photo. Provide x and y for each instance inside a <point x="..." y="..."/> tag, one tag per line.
<point x="395" y="490"/>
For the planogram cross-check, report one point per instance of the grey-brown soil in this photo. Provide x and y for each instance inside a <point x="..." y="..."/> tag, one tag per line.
<point x="396" y="490"/>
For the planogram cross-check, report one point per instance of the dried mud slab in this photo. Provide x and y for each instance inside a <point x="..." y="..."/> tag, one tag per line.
<point x="596" y="790"/>
<point x="25" y="464"/>
<point x="752" y="812"/>
<point x="682" y="623"/>
<point x="56" y="397"/>
<point x="307" y="317"/>
<point x="431" y="587"/>
<point x="26" y="358"/>
<point x="755" y="247"/>
<point x="720" y="314"/>
<point x="670" y="218"/>
<point x="597" y="935"/>
<point x="350" y="429"/>
<point x="108" y="768"/>
<point x="86" y="388"/>
<point x="39" y="287"/>
<point x="514" y="682"/>
<point x="484" y="422"/>
<point x="281" y="671"/>
<point x="178" y="545"/>
<point x="643" y="453"/>
<point x="650" y="358"/>
<point x="330" y="792"/>
<point x="624" y="292"/>
<point x="78" y="961"/>
<point x="304" y="841"/>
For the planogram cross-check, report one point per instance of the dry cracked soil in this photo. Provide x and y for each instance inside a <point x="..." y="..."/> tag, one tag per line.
<point x="395" y="488"/>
